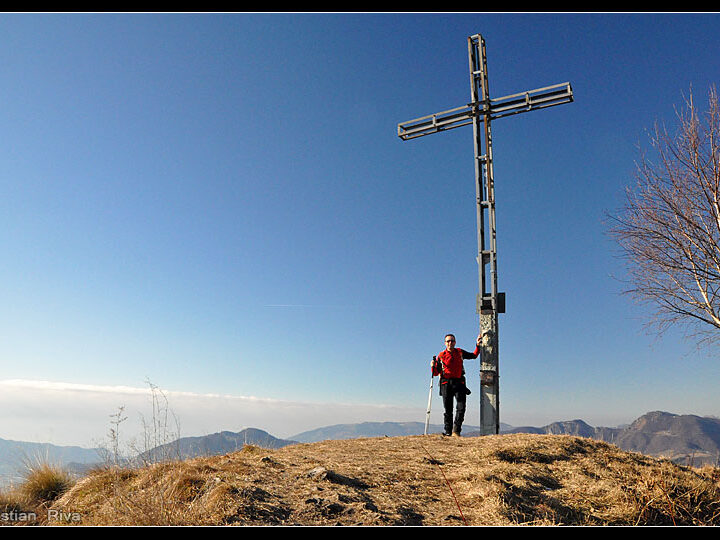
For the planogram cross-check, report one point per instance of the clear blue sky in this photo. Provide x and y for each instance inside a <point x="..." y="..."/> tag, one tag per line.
<point x="220" y="204"/>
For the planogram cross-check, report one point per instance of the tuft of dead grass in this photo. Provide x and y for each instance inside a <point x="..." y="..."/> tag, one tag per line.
<point x="43" y="483"/>
<point x="518" y="479"/>
<point x="27" y="502"/>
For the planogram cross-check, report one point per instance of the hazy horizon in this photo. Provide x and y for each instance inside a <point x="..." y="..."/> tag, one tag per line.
<point x="82" y="415"/>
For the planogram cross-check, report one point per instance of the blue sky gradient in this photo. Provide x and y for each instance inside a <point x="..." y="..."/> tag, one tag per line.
<point x="220" y="204"/>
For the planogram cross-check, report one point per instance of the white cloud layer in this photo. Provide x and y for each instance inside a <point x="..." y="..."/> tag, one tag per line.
<point x="82" y="415"/>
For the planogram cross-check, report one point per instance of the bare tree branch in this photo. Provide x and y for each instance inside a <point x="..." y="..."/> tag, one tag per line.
<point x="669" y="228"/>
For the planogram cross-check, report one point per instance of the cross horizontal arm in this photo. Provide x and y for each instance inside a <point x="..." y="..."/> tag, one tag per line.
<point x="539" y="98"/>
<point x="433" y="123"/>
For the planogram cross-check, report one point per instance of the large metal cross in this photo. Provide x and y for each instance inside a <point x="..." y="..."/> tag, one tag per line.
<point x="479" y="112"/>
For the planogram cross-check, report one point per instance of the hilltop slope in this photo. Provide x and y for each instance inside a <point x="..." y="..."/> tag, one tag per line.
<point x="414" y="480"/>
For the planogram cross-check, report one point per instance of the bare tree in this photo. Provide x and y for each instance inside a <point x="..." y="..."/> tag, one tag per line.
<point x="669" y="228"/>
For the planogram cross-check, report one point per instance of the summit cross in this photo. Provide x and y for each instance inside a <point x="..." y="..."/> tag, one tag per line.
<point x="479" y="112"/>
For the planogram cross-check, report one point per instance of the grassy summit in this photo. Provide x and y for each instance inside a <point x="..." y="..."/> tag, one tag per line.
<point x="518" y="479"/>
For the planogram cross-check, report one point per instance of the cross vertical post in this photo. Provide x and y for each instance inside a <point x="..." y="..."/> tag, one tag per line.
<point x="488" y="298"/>
<point x="479" y="112"/>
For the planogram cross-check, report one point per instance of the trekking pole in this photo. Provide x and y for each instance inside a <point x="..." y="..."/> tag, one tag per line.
<point x="427" y="417"/>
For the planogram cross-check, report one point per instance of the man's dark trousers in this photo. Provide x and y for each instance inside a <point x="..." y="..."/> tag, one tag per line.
<point x="454" y="389"/>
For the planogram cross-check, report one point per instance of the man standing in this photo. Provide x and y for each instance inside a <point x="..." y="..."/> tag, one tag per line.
<point x="449" y="366"/>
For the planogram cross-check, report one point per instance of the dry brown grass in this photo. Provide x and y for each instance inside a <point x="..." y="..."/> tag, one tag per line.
<point x="43" y="483"/>
<point x="517" y="479"/>
<point x="27" y="503"/>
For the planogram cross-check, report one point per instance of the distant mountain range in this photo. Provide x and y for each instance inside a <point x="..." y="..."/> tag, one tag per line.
<point x="212" y="445"/>
<point x="378" y="429"/>
<point x="365" y="429"/>
<point x="17" y="456"/>
<point x="684" y="439"/>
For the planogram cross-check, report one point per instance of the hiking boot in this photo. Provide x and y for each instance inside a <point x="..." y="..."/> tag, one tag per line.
<point x="446" y="434"/>
<point x="455" y="434"/>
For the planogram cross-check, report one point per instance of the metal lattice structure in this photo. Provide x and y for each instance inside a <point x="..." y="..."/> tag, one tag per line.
<point x="480" y="112"/>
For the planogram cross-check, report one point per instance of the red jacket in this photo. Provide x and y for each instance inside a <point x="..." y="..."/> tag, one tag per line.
<point x="450" y="365"/>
